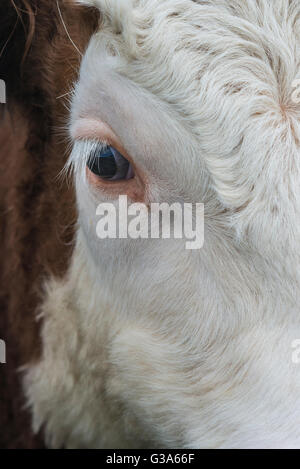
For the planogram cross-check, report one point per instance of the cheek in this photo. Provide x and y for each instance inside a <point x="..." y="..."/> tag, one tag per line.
<point x="90" y="194"/>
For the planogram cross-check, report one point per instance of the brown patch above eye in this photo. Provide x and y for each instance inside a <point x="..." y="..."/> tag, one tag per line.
<point x="77" y="25"/>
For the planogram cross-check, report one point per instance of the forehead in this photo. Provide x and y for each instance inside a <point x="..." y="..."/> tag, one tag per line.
<point x="208" y="86"/>
<point x="208" y="61"/>
<point x="183" y="51"/>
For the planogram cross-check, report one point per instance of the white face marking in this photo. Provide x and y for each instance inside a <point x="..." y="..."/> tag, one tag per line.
<point x="199" y="94"/>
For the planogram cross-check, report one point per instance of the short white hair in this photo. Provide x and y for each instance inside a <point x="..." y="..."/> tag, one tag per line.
<point x="227" y="68"/>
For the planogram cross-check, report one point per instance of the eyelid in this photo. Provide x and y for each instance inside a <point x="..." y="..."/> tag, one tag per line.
<point x="90" y="128"/>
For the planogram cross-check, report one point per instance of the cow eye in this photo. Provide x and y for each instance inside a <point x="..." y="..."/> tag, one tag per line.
<point x="107" y="163"/>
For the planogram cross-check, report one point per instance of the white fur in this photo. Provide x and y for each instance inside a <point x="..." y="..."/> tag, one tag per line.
<point x="146" y="343"/>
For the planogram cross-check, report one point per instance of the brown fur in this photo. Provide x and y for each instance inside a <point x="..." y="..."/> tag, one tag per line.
<point x="37" y="210"/>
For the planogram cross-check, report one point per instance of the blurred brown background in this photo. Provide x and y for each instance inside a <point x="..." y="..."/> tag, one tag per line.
<point x="37" y="212"/>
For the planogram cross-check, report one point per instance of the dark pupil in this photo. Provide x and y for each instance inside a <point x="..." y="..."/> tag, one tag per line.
<point x="103" y="163"/>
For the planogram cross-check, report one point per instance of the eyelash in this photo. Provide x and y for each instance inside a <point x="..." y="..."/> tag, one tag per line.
<point x="109" y="164"/>
<point x="81" y="154"/>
